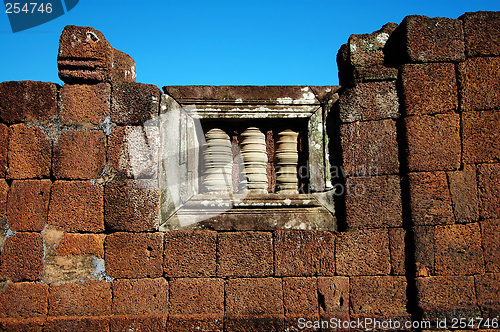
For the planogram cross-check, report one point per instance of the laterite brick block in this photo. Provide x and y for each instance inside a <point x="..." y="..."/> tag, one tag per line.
<point x="481" y="142"/>
<point x="134" y="255"/>
<point x="433" y="39"/>
<point x="195" y="323"/>
<point x="132" y="205"/>
<point x="266" y="323"/>
<point x="482" y="33"/>
<point x="254" y="297"/>
<point x="479" y="81"/>
<point x="140" y="296"/>
<point x="423" y="237"/>
<point x="77" y="324"/>
<point x="300" y="297"/>
<point x="28" y="205"/>
<point x="433" y="142"/>
<point x="363" y="252"/>
<point x="21" y="258"/>
<point x="79" y="154"/>
<point x="369" y="101"/>
<point x="77" y="206"/>
<point x="490" y="232"/>
<point x="30" y="153"/>
<point x="197" y="296"/>
<point x="23" y="325"/>
<point x="190" y="254"/>
<point x="447" y="297"/>
<point x="380" y="296"/>
<point x="134" y="103"/>
<point x="81" y="245"/>
<point x="27" y="101"/>
<point x="4" y="193"/>
<point x="245" y="254"/>
<point x="89" y="298"/>
<point x="458" y="250"/>
<point x="304" y="253"/>
<point x="464" y="194"/>
<point x="24" y="299"/>
<point x="430" y="199"/>
<point x="84" y="104"/>
<point x="142" y="323"/>
<point x="429" y="88"/>
<point x="488" y="294"/>
<point x="489" y="190"/>
<point x="4" y="146"/>
<point x="370" y="145"/>
<point x="333" y="293"/>
<point x="373" y="202"/>
<point x="398" y="251"/>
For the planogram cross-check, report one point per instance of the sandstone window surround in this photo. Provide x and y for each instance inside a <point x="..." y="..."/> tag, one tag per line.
<point x="245" y="158"/>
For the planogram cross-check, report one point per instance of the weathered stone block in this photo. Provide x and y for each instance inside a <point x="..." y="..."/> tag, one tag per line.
<point x="21" y="258"/>
<point x="197" y="296"/>
<point x="24" y="325"/>
<point x="482" y="33"/>
<point x="429" y="88"/>
<point x="370" y="146"/>
<point x="134" y="151"/>
<point x="132" y="205"/>
<point x="480" y="136"/>
<point x="24" y="299"/>
<point x="27" y="101"/>
<point x="304" y="253"/>
<point x="433" y="142"/>
<point x="463" y="189"/>
<point x="150" y="323"/>
<point x="89" y="298"/>
<point x="490" y="232"/>
<point x="85" y="105"/>
<point x="424" y="250"/>
<point x="369" y="101"/>
<point x="458" y="250"/>
<point x="333" y="293"/>
<point x="30" y="153"/>
<point x="245" y="254"/>
<point x="300" y="297"/>
<point x="140" y="296"/>
<point x="79" y="154"/>
<point x="489" y="190"/>
<point x="134" y="255"/>
<point x="4" y="147"/>
<point x="254" y="297"/>
<point x="190" y="254"/>
<point x="447" y="297"/>
<point x="433" y="39"/>
<point x="398" y="252"/>
<point x="430" y="199"/>
<point x="266" y="323"/>
<point x="4" y="193"/>
<point x="488" y="294"/>
<point x="28" y="205"/>
<point x="479" y="81"/>
<point x="81" y="245"/>
<point x="380" y="296"/>
<point x="134" y="103"/>
<point x="77" y="206"/>
<point x="363" y="252"/>
<point x="72" y="324"/>
<point x="373" y="202"/>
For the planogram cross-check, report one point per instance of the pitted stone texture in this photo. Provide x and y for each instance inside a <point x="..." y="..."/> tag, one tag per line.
<point x="134" y="255"/>
<point x="254" y="297"/>
<point x="4" y="192"/>
<point x="398" y="251"/>
<point x="27" y="101"/>
<point x="140" y="296"/>
<point x="197" y="296"/>
<point x="23" y="325"/>
<point x="79" y="154"/>
<point x="433" y="39"/>
<point x="464" y="194"/>
<point x="369" y="101"/>
<point x="430" y="199"/>
<point x="429" y="88"/>
<point x="489" y="190"/>
<point x="488" y="294"/>
<point x="70" y="324"/>
<point x="479" y="81"/>
<point x="300" y="297"/>
<point x="23" y="299"/>
<point x="363" y="252"/>
<point x="423" y="237"/>
<point x="4" y="148"/>
<point x="84" y="105"/>
<point x="30" y="153"/>
<point x="90" y="298"/>
<point x="370" y="145"/>
<point x="433" y="142"/>
<point x="304" y="253"/>
<point x="458" y="250"/>
<point x="245" y="254"/>
<point x="81" y="245"/>
<point x="21" y="258"/>
<point x="85" y="56"/>
<point x="134" y="103"/>
<point x="482" y="33"/>
<point x="481" y="138"/>
<point x="333" y="294"/>
<point x="490" y="232"/>
<point x="146" y="323"/>
<point x="77" y="206"/>
<point x="28" y="205"/>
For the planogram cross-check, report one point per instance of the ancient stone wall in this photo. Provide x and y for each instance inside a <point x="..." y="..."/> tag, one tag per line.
<point x="414" y="157"/>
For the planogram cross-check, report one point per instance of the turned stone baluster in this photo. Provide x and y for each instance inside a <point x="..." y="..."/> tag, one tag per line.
<point x="253" y="150"/>
<point x="287" y="158"/>
<point x="218" y="160"/>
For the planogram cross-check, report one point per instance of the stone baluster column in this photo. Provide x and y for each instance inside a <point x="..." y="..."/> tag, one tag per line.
<point x="218" y="160"/>
<point x="287" y="158"/>
<point x="253" y="150"/>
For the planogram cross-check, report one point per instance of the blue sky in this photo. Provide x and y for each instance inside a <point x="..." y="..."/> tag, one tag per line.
<point x="233" y="42"/>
